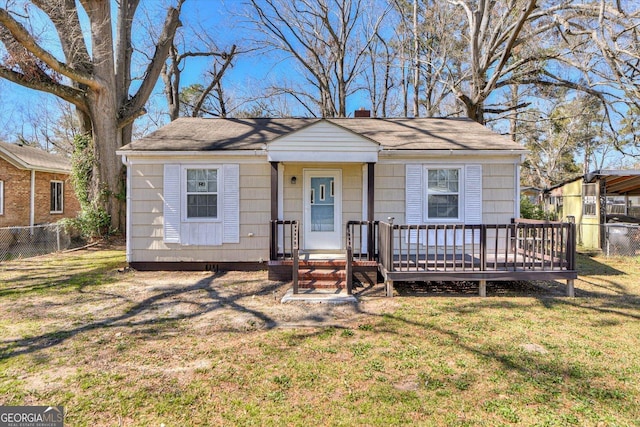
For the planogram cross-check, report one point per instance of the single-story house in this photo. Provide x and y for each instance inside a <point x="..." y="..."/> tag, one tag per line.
<point x="35" y="187"/>
<point x="252" y="193"/>
<point x="597" y="200"/>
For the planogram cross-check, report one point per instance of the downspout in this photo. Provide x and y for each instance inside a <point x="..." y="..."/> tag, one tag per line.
<point x="32" y="213"/>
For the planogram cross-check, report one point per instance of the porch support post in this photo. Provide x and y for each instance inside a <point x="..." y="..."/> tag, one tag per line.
<point x="370" y="209"/>
<point x="370" y="190"/>
<point x="274" y="191"/>
<point x="273" y="244"/>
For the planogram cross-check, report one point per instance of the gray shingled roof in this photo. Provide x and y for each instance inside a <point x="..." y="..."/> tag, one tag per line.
<point x="33" y="158"/>
<point x="196" y="134"/>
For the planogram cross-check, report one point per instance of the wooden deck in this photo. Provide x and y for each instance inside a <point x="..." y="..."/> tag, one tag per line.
<point x="523" y="250"/>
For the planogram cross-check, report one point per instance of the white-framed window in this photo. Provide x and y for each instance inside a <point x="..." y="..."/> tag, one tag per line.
<point x="213" y="219"/>
<point x="1" y="197"/>
<point x="443" y="194"/>
<point x="57" y="196"/>
<point x="201" y="194"/>
<point x="589" y="199"/>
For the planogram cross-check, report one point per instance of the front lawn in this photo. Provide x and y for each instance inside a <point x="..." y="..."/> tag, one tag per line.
<point x="118" y="347"/>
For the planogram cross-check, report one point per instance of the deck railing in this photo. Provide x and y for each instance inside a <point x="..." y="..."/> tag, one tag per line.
<point x="523" y="245"/>
<point x="361" y="244"/>
<point x="362" y="238"/>
<point x="284" y="238"/>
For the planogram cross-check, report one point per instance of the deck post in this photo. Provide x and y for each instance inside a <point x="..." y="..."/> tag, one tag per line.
<point x="388" y="284"/>
<point x="570" y="289"/>
<point x="482" y="285"/>
<point x="483" y="248"/>
<point x="390" y="259"/>
<point x="294" y="273"/>
<point x="349" y="270"/>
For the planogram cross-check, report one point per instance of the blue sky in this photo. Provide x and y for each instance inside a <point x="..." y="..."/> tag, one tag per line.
<point x="21" y="106"/>
<point x="18" y="104"/>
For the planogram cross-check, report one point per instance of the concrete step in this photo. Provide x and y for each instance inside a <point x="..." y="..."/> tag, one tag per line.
<point x="326" y="296"/>
<point x="322" y="284"/>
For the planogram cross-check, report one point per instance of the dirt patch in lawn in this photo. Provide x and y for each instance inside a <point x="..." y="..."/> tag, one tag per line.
<point x="93" y="288"/>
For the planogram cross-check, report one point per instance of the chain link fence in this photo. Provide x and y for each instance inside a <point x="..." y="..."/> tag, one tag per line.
<point x="613" y="239"/>
<point x="24" y="242"/>
<point x="621" y="239"/>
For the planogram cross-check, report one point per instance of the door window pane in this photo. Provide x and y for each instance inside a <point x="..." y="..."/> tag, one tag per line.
<point x="322" y="208"/>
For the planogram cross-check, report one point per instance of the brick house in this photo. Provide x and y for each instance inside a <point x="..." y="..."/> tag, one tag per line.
<point x="35" y="187"/>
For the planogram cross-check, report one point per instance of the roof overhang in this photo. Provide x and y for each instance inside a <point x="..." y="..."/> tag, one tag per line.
<point x="21" y="164"/>
<point x="517" y="155"/>
<point x="617" y="181"/>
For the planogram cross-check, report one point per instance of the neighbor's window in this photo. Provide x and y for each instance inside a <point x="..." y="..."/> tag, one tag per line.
<point x="443" y="193"/>
<point x="202" y="193"/>
<point x="589" y="199"/>
<point x="633" y="206"/>
<point x="1" y="197"/>
<point x="616" y="205"/>
<point x="56" y="196"/>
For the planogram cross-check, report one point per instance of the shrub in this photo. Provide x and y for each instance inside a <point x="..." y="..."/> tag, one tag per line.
<point x="529" y="210"/>
<point x="93" y="220"/>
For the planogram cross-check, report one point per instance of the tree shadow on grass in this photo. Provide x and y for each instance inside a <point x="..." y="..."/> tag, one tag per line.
<point x="37" y="275"/>
<point x="145" y="312"/>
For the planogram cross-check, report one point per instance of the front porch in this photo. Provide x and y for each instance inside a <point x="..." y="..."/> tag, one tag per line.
<point x="521" y="251"/>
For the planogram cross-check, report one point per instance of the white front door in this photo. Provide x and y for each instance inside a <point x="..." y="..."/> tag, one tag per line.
<point x="322" y="220"/>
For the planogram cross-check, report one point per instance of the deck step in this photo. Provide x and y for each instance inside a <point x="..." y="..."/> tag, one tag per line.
<point x="321" y="274"/>
<point x="324" y="263"/>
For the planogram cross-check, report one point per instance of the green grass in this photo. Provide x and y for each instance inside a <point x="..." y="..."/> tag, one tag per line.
<point x="523" y="359"/>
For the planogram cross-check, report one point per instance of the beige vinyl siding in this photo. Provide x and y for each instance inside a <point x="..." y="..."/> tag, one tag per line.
<point x="146" y="232"/>
<point x="147" y="219"/>
<point x="498" y="193"/>
<point x="390" y="192"/>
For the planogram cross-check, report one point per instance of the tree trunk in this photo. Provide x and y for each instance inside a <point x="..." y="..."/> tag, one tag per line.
<point x="103" y="109"/>
<point x="107" y="169"/>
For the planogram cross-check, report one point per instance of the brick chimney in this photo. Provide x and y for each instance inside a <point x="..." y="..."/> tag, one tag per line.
<point x="362" y="113"/>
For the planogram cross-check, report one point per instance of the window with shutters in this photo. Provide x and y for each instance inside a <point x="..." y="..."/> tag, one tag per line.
<point x="202" y="193"/>
<point x="443" y="194"/>
<point x="201" y="204"/>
